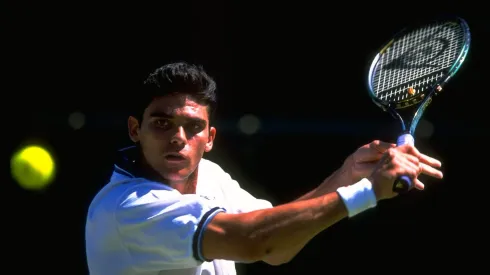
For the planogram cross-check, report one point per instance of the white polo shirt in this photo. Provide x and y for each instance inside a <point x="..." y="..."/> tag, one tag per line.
<point x="136" y="226"/>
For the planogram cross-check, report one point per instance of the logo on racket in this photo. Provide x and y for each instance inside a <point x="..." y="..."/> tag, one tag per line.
<point x="421" y="55"/>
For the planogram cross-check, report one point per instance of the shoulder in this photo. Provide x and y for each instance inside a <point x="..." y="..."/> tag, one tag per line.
<point x="150" y="223"/>
<point x="124" y="191"/>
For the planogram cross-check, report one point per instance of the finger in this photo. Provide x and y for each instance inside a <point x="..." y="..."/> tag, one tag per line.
<point x="412" y="170"/>
<point x="424" y="168"/>
<point x="408" y="167"/>
<point x="409" y="149"/>
<point x="430" y="161"/>
<point x="381" y="146"/>
<point x="418" y="184"/>
<point x="414" y="166"/>
<point x="431" y="171"/>
<point x="412" y="159"/>
<point x="372" y="151"/>
<point x="367" y="155"/>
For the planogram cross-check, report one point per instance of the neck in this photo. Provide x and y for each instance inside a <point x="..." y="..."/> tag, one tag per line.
<point x="185" y="186"/>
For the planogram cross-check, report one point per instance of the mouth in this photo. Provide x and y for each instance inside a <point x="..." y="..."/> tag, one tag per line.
<point x="175" y="157"/>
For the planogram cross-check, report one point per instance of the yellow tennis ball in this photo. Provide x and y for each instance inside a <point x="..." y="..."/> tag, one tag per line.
<point x="32" y="167"/>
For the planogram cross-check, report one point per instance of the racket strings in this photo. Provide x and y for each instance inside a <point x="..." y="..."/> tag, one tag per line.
<point x="416" y="61"/>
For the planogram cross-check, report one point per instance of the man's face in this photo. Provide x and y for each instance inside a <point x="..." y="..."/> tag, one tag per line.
<point x="174" y="134"/>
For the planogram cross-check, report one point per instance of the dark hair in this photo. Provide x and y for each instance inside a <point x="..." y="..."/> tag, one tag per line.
<point x="179" y="77"/>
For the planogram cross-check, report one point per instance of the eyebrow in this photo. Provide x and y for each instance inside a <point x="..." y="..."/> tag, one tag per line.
<point x="160" y="114"/>
<point x="165" y="115"/>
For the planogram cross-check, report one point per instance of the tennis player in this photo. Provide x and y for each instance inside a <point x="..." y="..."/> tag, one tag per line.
<point x="167" y="210"/>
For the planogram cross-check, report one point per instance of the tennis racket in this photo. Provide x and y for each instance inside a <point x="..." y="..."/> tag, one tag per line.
<point x="413" y="67"/>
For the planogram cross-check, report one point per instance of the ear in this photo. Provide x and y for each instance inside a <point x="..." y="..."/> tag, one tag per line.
<point x="133" y="129"/>
<point x="212" y="136"/>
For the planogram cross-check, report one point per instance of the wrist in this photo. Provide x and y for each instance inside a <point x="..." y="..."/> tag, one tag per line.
<point x="358" y="197"/>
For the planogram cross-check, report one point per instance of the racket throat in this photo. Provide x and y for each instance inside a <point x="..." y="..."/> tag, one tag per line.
<point x="399" y="118"/>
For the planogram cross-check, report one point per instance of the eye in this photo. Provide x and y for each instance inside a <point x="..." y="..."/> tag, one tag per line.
<point x="195" y="127"/>
<point x="162" y="124"/>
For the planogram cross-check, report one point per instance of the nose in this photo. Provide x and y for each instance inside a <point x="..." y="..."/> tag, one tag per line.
<point x="179" y="137"/>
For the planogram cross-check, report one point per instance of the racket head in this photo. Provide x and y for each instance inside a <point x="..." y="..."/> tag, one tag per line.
<point x="417" y="61"/>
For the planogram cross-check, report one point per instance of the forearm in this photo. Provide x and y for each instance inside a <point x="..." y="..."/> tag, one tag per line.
<point x="281" y="232"/>
<point x="345" y="201"/>
<point x="275" y="235"/>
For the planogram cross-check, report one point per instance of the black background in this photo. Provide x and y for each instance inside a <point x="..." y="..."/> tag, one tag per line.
<point x="300" y="67"/>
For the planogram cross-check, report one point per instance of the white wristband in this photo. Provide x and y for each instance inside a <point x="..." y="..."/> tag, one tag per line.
<point x="358" y="197"/>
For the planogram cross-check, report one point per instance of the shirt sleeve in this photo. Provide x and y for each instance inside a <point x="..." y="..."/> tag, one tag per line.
<point x="163" y="229"/>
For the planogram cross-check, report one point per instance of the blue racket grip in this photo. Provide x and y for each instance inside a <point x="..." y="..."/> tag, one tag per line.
<point x="403" y="183"/>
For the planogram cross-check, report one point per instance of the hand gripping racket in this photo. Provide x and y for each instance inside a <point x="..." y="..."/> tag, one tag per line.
<point x="411" y="68"/>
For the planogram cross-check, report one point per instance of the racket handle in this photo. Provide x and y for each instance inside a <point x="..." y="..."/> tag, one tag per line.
<point x="403" y="183"/>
